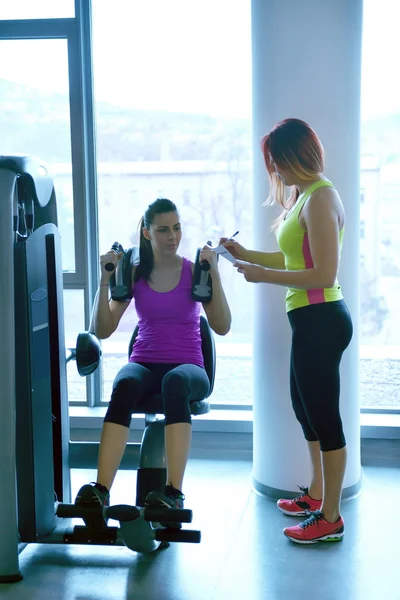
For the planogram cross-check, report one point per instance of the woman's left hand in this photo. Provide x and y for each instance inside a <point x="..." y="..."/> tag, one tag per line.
<point x="252" y="273"/>
<point x="210" y="256"/>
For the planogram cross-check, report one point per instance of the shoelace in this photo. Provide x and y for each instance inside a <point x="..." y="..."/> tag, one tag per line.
<point x="302" y="489"/>
<point x="313" y="519"/>
<point x="100" y="487"/>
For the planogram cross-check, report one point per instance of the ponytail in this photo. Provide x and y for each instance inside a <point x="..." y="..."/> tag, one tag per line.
<point x="146" y="258"/>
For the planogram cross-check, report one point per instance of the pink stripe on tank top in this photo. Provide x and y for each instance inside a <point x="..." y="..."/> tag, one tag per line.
<point x="315" y="296"/>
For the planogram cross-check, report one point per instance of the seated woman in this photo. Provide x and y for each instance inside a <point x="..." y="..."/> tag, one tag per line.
<point x="167" y="355"/>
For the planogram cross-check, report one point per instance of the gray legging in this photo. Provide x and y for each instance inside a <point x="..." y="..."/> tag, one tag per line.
<point x="178" y="384"/>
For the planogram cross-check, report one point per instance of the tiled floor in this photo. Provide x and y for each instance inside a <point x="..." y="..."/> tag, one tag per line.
<point x="243" y="554"/>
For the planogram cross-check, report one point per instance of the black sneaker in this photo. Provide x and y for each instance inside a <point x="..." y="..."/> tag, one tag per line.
<point x="171" y="498"/>
<point x="94" y="494"/>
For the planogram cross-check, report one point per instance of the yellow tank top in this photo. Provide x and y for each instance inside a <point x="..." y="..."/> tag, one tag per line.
<point x="294" y="244"/>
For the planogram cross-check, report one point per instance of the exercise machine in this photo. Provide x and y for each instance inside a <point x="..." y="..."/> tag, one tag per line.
<point x="35" y="499"/>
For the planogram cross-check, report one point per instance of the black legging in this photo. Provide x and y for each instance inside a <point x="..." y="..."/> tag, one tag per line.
<point x="179" y="385"/>
<point x="320" y="334"/>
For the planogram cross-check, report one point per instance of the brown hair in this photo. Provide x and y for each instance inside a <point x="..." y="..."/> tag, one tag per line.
<point x="146" y="258"/>
<point x="291" y="144"/>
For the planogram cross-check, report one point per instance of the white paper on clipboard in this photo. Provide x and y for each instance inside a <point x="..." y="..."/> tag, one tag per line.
<point x="222" y="251"/>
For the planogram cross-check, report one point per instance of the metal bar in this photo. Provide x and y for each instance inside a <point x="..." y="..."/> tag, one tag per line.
<point x="380" y="410"/>
<point x="78" y="176"/>
<point x="78" y="157"/>
<point x="84" y="455"/>
<point x="216" y="407"/>
<point x="235" y="407"/>
<point x="25" y="29"/>
<point x="84" y="173"/>
<point x="9" y="564"/>
<point x="89" y="204"/>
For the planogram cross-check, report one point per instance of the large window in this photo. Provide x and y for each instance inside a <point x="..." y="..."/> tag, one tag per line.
<point x="380" y="207"/>
<point x="35" y="118"/>
<point x="173" y="118"/>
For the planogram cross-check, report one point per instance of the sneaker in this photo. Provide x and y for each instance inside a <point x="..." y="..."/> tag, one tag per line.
<point x="94" y="493"/>
<point x="171" y="498"/>
<point x="316" y="529"/>
<point x="300" y="506"/>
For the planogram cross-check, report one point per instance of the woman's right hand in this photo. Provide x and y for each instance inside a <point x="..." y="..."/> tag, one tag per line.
<point x="237" y="250"/>
<point x="109" y="257"/>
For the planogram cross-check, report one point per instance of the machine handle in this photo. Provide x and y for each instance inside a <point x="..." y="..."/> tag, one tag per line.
<point x="205" y="265"/>
<point x="123" y="513"/>
<point x="119" y="512"/>
<point x="189" y="536"/>
<point x="71" y="511"/>
<point x="170" y="515"/>
<point x="117" y="248"/>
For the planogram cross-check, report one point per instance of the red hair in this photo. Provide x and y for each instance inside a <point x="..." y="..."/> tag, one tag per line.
<point x="292" y="144"/>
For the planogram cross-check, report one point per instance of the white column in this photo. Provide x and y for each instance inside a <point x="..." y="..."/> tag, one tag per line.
<point x="306" y="64"/>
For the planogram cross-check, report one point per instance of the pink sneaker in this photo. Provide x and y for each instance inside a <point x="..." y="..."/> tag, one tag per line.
<point x="298" y="507"/>
<point x="316" y="529"/>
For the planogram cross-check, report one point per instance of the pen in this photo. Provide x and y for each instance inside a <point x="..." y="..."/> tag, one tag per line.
<point x="232" y="236"/>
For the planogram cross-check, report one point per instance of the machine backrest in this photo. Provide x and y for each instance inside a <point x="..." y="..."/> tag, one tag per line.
<point x="207" y="347"/>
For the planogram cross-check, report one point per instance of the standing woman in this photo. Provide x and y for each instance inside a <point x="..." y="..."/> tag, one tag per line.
<point x="309" y="232"/>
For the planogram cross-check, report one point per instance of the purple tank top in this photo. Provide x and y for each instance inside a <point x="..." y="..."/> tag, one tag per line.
<point x="169" y="323"/>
